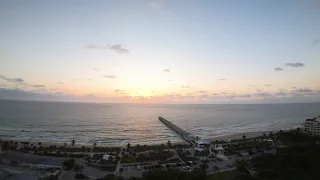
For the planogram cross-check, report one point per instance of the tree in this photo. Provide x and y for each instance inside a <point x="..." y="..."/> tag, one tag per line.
<point x="241" y="166"/>
<point x="78" y="168"/>
<point x="117" y="158"/>
<point x="244" y="137"/>
<point x="128" y="146"/>
<point x="65" y="145"/>
<point x="94" y="145"/>
<point x="216" y="169"/>
<point x="204" y="166"/>
<point x="39" y="143"/>
<point x="110" y="158"/>
<point x="69" y="163"/>
<point x="271" y="135"/>
<point x="73" y="142"/>
<point x="169" y="145"/>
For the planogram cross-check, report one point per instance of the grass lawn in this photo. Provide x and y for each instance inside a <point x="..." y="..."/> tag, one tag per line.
<point x="226" y="175"/>
<point x="130" y="159"/>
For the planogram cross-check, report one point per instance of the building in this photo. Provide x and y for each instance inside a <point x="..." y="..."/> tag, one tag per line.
<point x="1" y="151"/>
<point x="312" y="125"/>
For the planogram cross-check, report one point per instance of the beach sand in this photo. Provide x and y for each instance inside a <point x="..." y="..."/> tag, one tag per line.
<point x="225" y="137"/>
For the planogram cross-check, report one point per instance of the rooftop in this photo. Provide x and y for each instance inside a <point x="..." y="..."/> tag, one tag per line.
<point x="315" y="119"/>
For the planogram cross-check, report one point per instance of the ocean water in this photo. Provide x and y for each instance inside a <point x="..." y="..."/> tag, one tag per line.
<point x="118" y="124"/>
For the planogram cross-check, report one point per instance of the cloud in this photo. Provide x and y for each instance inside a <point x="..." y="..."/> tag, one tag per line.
<point x="60" y="82"/>
<point x="54" y="89"/>
<point x="39" y="86"/>
<point x="278" y="69"/>
<point x="156" y="4"/>
<point x="88" y="79"/>
<point x="294" y="87"/>
<point x="120" y="91"/>
<point x="166" y="70"/>
<point x="304" y="90"/>
<point x="296" y="64"/>
<point x="13" y="80"/>
<point x="262" y="94"/>
<point x="201" y="92"/>
<point x="245" y="96"/>
<point x="95" y="69"/>
<point x="221" y="79"/>
<point x="109" y="76"/>
<point x="185" y="86"/>
<point x="316" y="41"/>
<point x="119" y="49"/>
<point x="268" y="85"/>
<point x="215" y="94"/>
<point x="116" y="48"/>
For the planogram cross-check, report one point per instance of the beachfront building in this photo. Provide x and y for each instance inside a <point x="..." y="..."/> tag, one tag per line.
<point x="219" y="149"/>
<point x="312" y="125"/>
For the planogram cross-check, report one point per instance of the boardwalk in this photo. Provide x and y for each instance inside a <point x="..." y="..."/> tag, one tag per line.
<point x="184" y="134"/>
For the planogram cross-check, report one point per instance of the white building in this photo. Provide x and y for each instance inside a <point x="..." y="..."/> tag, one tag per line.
<point x="312" y="126"/>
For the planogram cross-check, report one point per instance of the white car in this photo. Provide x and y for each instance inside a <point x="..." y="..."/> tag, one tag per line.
<point x="186" y="167"/>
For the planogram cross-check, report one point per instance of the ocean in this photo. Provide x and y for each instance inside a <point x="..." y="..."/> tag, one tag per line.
<point x="119" y="124"/>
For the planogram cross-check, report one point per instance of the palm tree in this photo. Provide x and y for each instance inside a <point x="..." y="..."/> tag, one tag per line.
<point x="271" y="135"/>
<point x="73" y="142"/>
<point x="216" y="169"/>
<point x="94" y="145"/>
<point x="39" y="143"/>
<point x="169" y="144"/>
<point x="65" y="145"/>
<point x="244" y="137"/>
<point x="128" y="146"/>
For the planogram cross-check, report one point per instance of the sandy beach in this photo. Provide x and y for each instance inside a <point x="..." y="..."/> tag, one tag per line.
<point x="225" y="137"/>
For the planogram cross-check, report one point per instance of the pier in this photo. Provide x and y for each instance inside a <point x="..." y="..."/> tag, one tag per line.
<point x="184" y="134"/>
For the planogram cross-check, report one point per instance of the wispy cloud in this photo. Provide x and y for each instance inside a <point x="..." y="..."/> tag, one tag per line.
<point x="221" y="79"/>
<point x="278" y="69"/>
<point x="39" y="86"/>
<point x="268" y="85"/>
<point x="166" y="70"/>
<point x="60" y="82"/>
<point x="201" y="92"/>
<point x="185" y="86"/>
<point x="120" y="91"/>
<point x="109" y="76"/>
<point x="156" y="4"/>
<point x="95" y="69"/>
<point x="294" y="87"/>
<point x="296" y="64"/>
<point x="116" y="48"/>
<point x="13" y="80"/>
<point x="303" y="90"/>
<point x="119" y="49"/>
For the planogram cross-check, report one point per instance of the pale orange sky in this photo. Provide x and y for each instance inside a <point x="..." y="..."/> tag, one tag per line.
<point x="175" y="52"/>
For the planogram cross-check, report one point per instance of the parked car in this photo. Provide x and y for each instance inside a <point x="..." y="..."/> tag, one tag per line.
<point x="186" y="167"/>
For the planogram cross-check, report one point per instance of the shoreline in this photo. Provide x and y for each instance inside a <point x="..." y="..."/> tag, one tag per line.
<point x="223" y="137"/>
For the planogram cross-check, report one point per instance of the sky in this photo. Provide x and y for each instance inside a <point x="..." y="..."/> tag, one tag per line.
<point x="160" y="51"/>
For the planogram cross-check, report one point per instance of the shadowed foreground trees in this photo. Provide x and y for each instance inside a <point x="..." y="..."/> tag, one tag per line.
<point x="294" y="163"/>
